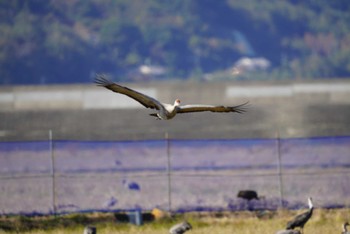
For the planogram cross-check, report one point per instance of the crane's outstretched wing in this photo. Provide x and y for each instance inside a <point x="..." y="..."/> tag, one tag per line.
<point x="198" y="108"/>
<point x="145" y="100"/>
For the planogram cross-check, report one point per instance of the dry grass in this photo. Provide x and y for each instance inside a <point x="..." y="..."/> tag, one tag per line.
<point x="323" y="221"/>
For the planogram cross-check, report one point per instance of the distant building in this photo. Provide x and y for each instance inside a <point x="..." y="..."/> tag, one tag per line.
<point x="252" y="64"/>
<point x="147" y="72"/>
<point x="152" y="70"/>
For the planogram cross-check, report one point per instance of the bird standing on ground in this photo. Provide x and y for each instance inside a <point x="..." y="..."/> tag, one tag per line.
<point x="248" y="194"/>
<point x="180" y="228"/>
<point x="300" y="220"/>
<point x="345" y="230"/>
<point x="164" y="111"/>
<point x="90" y="230"/>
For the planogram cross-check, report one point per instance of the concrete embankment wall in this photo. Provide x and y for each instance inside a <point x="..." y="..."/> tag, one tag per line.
<point x="87" y="112"/>
<point x="92" y="97"/>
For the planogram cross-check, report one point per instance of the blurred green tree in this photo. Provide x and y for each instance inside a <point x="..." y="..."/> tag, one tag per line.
<point x="67" y="41"/>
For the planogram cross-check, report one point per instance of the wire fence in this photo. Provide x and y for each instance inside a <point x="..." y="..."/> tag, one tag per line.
<point x="52" y="177"/>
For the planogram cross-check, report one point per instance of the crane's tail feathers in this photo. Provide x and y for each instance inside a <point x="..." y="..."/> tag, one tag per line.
<point x="155" y="115"/>
<point x="102" y="80"/>
<point x="241" y="108"/>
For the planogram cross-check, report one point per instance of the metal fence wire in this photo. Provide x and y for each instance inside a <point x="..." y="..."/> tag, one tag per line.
<point x="50" y="177"/>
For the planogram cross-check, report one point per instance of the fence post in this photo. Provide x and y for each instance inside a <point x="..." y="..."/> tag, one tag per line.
<point x="53" y="179"/>
<point x="280" y="180"/>
<point x="168" y="171"/>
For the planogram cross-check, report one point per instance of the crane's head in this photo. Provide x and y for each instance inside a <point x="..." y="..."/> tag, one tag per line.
<point x="310" y="202"/>
<point x="177" y="102"/>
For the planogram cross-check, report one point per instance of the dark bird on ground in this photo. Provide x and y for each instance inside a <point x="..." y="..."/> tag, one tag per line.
<point x="288" y="232"/>
<point x="345" y="230"/>
<point x="164" y="111"/>
<point x="180" y="228"/>
<point x="300" y="220"/>
<point x="248" y="194"/>
<point x="131" y="185"/>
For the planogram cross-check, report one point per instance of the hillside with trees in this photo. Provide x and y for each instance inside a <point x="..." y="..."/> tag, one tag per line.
<point x="65" y="41"/>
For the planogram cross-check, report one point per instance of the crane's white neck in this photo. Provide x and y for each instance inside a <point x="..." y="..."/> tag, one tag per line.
<point x="310" y="203"/>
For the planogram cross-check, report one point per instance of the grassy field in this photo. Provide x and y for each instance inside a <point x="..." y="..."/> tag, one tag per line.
<point x="323" y="221"/>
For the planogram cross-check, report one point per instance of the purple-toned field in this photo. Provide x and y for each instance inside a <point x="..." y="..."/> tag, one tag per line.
<point x="178" y="174"/>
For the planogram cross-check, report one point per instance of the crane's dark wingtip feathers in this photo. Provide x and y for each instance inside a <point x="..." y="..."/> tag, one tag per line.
<point x="241" y="108"/>
<point x="102" y="80"/>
